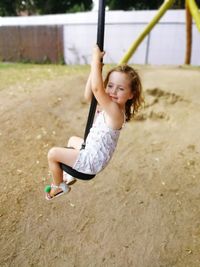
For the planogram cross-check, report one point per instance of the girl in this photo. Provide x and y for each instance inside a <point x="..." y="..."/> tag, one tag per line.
<point x="119" y="97"/>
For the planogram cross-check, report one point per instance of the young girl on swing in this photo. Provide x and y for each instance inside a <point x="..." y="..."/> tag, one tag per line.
<point x="118" y="97"/>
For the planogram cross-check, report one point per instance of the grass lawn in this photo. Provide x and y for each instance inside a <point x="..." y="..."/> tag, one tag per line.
<point x="20" y="74"/>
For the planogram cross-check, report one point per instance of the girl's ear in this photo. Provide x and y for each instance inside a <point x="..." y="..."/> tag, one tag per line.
<point x="131" y="96"/>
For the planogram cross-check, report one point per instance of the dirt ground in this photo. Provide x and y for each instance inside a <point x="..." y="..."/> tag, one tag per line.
<point x="141" y="211"/>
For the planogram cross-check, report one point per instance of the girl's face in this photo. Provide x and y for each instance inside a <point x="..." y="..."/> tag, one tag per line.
<point x="118" y="88"/>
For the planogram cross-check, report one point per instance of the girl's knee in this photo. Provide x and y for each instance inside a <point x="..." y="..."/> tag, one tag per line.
<point x="71" y="141"/>
<point x="75" y="142"/>
<point x="52" y="153"/>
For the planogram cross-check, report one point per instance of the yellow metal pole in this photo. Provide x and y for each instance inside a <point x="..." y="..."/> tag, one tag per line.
<point x="195" y="12"/>
<point x="161" y="11"/>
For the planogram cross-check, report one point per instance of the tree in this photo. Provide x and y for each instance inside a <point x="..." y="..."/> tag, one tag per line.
<point x="8" y="8"/>
<point x="15" y="7"/>
<point x="143" y="4"/>
<point x="121" y="5"/>
<point x="62" y="6"/>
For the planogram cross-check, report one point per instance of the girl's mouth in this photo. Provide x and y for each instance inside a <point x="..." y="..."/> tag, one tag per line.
<point x="113" y="97"/>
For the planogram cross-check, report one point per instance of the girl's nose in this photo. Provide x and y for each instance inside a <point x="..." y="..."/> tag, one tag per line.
<point x="114" y="90"/>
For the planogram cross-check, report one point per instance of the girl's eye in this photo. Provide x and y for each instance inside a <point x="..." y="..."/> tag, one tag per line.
<point x="121" y="89"/>
<point x="109" y="85"/>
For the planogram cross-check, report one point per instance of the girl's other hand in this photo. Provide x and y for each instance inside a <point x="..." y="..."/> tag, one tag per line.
<point x="97" y="56"/>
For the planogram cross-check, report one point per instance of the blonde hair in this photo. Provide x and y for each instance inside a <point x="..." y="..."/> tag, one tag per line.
<point x="132" y="105"/>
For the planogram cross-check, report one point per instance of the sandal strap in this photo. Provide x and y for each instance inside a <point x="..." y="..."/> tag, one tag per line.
<point x="62" y="186"/>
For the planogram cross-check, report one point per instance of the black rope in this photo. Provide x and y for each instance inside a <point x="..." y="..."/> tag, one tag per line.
<point x="100" y="43"/>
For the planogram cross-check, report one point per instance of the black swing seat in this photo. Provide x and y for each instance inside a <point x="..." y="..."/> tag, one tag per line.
<point x="76" y="174"/>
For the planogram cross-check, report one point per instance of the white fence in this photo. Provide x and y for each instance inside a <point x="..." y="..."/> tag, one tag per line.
<point x="164" y="45"/>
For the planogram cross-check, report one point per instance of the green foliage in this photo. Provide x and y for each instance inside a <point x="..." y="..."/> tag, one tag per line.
<point x="8" y="8"/>
<point x="143" y="4"/>
<point x="14" y="7"/>
<point x="121" y="5"/>
<point x="133" y="4"/>
<point x="77" y="8"/>
<point x="62" y="6"/>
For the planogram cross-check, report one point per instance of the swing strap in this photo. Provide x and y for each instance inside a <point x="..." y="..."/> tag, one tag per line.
<point x="100" y="43"/>
<point x="92" y="110"/>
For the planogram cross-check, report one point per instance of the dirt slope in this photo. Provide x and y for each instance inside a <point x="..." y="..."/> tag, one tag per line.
<point x="142" y="210"/>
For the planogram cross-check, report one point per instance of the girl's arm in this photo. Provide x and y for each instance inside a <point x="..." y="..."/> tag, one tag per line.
<point x="96" y="78"/>
<point x="97" y="84"/>
<point x="112" y="109"/>
<point x="88" y="90"/>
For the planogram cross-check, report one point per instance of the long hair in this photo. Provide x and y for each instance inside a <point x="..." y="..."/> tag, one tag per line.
<point x="132" y="105"/>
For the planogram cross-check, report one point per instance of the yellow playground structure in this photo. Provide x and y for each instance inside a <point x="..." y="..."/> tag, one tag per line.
<point x="192" y="11"/>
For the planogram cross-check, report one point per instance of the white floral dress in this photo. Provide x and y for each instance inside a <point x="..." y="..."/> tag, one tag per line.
<point x="100" y="145"/>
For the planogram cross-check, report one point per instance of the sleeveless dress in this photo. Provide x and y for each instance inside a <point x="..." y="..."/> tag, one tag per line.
<point x="100" y="145"/>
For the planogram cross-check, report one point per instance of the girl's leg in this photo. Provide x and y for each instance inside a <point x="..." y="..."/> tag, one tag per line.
<point x="75" y="142"/>
<point x="57" y="155"/>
